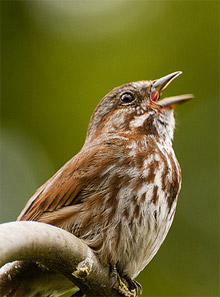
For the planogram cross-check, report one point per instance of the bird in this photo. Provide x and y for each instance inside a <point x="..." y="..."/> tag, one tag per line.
<point x="119" y="193"/>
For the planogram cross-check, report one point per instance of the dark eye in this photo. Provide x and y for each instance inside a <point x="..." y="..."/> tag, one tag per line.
<point x="127" y="98"/>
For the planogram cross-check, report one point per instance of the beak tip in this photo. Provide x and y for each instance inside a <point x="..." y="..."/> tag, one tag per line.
<point x="179" y="72"/>
<point x="161" y="83"/>
<point x="172" y="102"/>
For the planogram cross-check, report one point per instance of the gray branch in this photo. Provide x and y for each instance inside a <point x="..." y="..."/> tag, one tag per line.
<point x="49" y="253"/>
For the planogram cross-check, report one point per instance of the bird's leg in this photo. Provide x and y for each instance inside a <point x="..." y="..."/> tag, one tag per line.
<point x="114" y="274"/>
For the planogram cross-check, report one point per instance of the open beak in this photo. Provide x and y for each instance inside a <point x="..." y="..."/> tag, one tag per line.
<point x="159" y="85"/>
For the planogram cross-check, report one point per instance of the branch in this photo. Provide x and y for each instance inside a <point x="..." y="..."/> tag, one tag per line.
<point x="57" y="253"/>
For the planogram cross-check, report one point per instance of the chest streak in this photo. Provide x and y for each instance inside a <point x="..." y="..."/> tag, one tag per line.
<point x="149" y="181"/>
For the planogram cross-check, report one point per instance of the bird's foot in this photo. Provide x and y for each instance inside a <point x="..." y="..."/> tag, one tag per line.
<point x="127" y="287"/>
<point x="125" y="290"/>
<point x="134" y="285"/>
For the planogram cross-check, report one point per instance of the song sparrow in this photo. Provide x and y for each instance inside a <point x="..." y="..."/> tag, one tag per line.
<point x="119" y="193"/>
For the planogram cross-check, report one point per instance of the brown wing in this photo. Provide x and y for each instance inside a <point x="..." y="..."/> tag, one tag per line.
<point x="58" y="199"/>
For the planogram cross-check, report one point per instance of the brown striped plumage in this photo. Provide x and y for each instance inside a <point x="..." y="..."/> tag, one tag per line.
<point x="119" y="192"/>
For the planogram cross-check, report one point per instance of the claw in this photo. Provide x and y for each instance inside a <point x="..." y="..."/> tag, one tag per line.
<point x="135" y="285"/>
<point x="127" y="286"/>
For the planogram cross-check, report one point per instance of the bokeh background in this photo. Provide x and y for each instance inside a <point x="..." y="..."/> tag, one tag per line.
<point x="59" y="58"/>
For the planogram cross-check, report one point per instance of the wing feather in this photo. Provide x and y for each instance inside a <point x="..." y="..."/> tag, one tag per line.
<point x="59" y="197"/>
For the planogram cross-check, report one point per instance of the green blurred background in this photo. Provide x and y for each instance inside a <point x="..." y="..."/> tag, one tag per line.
<point x="59" y="58"/>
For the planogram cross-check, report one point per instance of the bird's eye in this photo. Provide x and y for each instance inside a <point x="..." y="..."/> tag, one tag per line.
<point x="127" y="98"/>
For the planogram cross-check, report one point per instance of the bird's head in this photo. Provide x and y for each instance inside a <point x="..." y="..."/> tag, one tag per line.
<point x="135" y="108"/>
